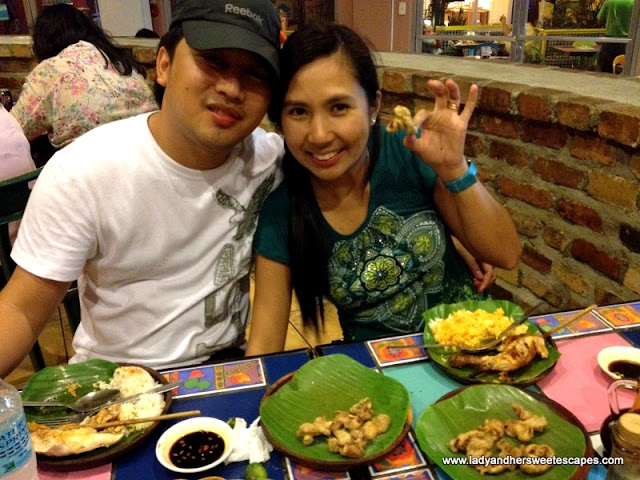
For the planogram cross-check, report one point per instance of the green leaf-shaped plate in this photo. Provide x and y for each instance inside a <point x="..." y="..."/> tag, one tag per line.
<point x="466" y="409"/>
<point x="321" y="387"/>
<point x="57" y="383"/>
<point x="531" y="373"/>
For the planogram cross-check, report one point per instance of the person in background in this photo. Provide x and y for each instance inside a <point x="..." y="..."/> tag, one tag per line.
<point x="83" y="80"/>
<point x="155" y="214"/>
<point x="615" y="15"/>
<point x="531" y="47"/>
<point x="430" y="45"/>
<point x="146" y="33"/>
<point x="15" y="154"/>
<point x="364" y="216"/>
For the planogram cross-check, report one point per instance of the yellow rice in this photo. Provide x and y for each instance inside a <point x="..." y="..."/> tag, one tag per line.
<point x="467" y="328"/>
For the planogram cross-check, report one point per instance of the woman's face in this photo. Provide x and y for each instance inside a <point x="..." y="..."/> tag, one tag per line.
<point x="326" y="118"/>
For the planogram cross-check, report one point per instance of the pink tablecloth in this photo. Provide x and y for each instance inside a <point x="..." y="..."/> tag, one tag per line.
<point x="578" y="383"/>
<point x="102" y="472"/>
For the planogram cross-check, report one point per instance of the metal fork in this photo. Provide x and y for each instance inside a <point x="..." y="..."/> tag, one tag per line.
<point x="78" y="417"/>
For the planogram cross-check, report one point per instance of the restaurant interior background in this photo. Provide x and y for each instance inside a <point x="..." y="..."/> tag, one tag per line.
<point x="566" y="32"/>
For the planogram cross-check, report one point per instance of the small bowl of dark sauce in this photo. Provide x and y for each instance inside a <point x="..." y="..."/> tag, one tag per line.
<point x="620" y="362"/>
<point x="195" y="445"/>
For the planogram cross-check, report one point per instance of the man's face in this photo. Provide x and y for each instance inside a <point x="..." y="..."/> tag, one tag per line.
<point x="213" y="99"/>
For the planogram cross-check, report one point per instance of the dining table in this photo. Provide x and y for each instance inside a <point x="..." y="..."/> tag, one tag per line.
<point x="236" y="389"/>
<point x="579" y="53"/>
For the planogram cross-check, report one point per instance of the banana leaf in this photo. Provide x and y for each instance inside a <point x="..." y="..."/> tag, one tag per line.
<point x="57" y="384"/>
<point x="466" y="409"/>
<point x="524" y="376"/>
<point x="64" y="383"/>
<point x="321" y="387"/>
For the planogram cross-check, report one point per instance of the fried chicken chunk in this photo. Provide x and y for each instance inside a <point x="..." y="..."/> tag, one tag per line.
<point x="402" y="120"/>
<point x="481" y="442"/>
<point x="348" y="432"/>
<point x="533" y="450"/>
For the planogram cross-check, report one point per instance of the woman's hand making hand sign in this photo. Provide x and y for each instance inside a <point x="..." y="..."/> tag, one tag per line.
<point x="441" y="144"/>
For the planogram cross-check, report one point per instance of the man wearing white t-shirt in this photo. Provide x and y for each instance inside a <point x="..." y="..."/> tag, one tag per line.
<point x="154" y="215"/>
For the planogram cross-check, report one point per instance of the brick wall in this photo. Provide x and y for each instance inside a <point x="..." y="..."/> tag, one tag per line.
<point x="566" y="167"/>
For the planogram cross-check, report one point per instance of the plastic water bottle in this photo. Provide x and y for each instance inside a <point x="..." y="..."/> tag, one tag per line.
<point x="17" y="459"/>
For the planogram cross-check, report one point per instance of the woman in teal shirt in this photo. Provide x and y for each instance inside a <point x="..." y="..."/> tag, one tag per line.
<point x="365" y="217"/>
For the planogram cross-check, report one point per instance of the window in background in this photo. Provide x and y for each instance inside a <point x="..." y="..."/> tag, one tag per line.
<point x="562" y="33"/>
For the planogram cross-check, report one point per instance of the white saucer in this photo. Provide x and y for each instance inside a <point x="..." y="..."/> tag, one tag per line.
<point x="611" y="354"/>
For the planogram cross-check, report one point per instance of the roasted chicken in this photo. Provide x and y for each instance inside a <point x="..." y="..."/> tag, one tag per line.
<point x="515" y="352"/>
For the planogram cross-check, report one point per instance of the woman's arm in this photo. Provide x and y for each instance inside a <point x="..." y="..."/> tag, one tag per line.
<point x="481" y="224"/>
<point x="271" y="307"/>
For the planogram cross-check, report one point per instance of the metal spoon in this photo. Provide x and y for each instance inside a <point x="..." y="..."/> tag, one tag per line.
<point x="86" y="403"/>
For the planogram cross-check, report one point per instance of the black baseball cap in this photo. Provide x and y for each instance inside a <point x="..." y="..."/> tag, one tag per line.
<point x="252" y="25"/>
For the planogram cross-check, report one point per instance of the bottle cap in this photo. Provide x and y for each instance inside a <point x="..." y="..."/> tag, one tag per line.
<point x="630" y="427"/>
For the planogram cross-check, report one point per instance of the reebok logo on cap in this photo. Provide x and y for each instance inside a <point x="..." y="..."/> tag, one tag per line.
<point x="245" y="12"/>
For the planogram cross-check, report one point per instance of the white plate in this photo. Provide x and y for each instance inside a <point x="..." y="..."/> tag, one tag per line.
<point x="611" y="354"/>
<point x="180" y="429"/>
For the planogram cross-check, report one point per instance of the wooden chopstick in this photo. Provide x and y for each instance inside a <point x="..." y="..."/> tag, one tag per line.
<point x="167" y="416"/>
<point x="580" y="314"/>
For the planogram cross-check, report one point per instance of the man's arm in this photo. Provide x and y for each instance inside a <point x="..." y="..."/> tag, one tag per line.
<point x="26" y="304"/>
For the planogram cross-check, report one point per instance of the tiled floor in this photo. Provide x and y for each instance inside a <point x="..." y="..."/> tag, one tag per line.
<point x="56" y="348"/>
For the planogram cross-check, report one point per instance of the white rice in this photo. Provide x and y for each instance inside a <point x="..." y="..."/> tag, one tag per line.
<point x="130" y="381"/>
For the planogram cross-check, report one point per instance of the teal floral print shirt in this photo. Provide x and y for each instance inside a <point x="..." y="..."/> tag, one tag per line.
<point x="398" y="264"/>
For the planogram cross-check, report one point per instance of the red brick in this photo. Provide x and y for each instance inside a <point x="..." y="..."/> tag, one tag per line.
<point x="509" y="153"/>
<point x="486" y="175"/>
<point x="536" y="260"/>
<point x="542" y="290"/>
<point x="475" y="145"/>
<point x="580" y="214"/>
<point x="544" y="134"/>
<point x="555" y="238"/>
<point x="390" y="100"/>
<point x="464" y="83"/>
<point x="630" y="237"/>
<point x="497" y="97"/>
<point x="571" y="280"/>
<point x="500" y="126"/>
<point x="597" y="259"/>
<point x="604" y="296"/>
<point x="525" y="224"/>
<point x="632" y="279"/>
<point x="419" y="81"/>
<point x="398" y="80"/>
<point x="593" y="149"/>
<point x="559" y="173"/>
<point x="578" y="112"/>
<point x="620" y="123"/>
<point x="614" y="190"/>
<point x="526" y="192"/>
<point x="634" y="165"/>
<point x="537" y="103"/>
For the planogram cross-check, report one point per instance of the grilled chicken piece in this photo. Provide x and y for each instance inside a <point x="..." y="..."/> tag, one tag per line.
<point x="515" y="352"/>
<point x="57" y="442"/>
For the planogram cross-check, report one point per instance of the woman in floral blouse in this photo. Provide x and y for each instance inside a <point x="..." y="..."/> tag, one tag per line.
<point x="83" y="79"/>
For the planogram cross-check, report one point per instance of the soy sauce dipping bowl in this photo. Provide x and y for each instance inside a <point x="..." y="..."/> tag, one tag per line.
<point x="182" y="430"/>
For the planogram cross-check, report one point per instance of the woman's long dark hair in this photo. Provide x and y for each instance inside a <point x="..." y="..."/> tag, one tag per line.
<point x="59" y="26"/>
<point x="308" y="251"/>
